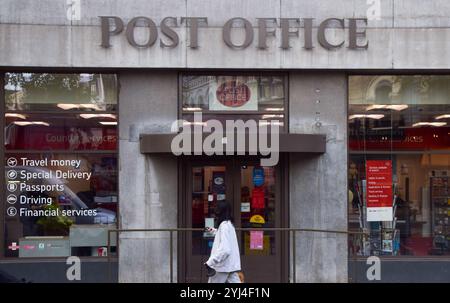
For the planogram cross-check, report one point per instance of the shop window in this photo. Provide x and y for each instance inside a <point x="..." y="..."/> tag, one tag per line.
<point x="60" y="151"/>
<point x="258" y="97"/>
<point x="60" y="92"/>
<point x="399" y="165"/>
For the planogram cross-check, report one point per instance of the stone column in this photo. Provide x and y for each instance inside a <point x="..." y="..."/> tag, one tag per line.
<point x="147" y="184"/>
<point x="318" y="183"/>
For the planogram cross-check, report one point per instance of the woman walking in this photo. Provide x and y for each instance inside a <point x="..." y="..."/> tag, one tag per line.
<point x="224" y="262"/>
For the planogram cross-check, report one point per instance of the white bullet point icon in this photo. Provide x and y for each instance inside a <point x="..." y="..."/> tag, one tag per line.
<point x="12" y="211"/>
<point x="11" y="199"/>
<point x="12" y="187"/>
<point x="12" y="162"/>
<point x="12" y="174"/>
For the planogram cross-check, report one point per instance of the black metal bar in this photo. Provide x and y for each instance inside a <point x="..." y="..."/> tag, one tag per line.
<point x="354" y="279"/>
<point x="293" y="230"/>
<point x="109" y="255"/>
<point x="171" y="256"/>
<point x="294" y="261"/>
<point x="61" y="151"/>
<point x="243" y="229"/>
<point x="62" y="112"/>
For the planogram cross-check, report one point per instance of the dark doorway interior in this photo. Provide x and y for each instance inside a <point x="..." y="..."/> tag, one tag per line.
<point x="257" y="195"/>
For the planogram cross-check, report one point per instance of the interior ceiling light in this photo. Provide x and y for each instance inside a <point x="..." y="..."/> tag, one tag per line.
<point x="12" y="115"/>
<point x="275" y="109"/>
<point x="194" y="123"/>
<point x="69" y="106"/>
<point x="446" y="116"/>
<point x="192" y="109"/>
<point x="279" y="123"/>
<point x="89" y="116"/>
<point x="369" y="116"/>
<point x="272" y="116"/>
<point x="397" y="107"/>
<point x="382" y="128"/>
<point x="437" y="124"/>
<point x="25" y="123"/>
<point x="108" y="122"/>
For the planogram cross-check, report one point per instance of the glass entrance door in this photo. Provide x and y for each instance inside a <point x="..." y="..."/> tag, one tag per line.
<point x="254" y="193"/>
<point x="258" y="207"/>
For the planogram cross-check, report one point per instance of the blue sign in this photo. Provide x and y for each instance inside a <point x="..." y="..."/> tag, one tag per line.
<point x="258" y="176"/>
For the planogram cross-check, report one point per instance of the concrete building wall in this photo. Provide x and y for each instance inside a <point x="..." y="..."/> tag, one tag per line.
<point x="318" y="184"/>
<point x="402" y="34"/>
<point x="147" y="184"/>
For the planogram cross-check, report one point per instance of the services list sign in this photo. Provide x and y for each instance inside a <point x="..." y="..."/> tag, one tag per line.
<point x="379" y="190"/>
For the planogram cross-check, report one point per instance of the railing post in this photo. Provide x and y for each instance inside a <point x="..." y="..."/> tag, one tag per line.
<point x="171" y="255"/>
<point x="294" y="261"/>
<point x="355" y="272"/>
<point x="109" y="256"/>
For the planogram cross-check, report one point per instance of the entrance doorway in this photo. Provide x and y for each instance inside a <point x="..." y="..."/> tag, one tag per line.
<point x="257" y="197"/>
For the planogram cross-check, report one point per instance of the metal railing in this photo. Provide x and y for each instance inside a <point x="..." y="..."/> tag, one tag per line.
<point x="292" y="232"/>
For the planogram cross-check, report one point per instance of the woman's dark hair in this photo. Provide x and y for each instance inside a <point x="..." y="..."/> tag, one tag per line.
<point x="223" y="212"/>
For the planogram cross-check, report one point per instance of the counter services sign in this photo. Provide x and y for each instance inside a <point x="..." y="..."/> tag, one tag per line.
<point x="379" y="190"/>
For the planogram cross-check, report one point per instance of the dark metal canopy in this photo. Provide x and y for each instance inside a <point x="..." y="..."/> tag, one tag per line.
<point x="288" y="143"/>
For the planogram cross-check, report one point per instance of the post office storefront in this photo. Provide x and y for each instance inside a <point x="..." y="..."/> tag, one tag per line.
<point x="91" y="109"/>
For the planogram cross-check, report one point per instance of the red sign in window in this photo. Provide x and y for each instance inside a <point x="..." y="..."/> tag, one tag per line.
<point x="379" y="190"/>
<point x="424" y="138"/>
<point x="233" y="94"/>
<point x="63" y="138"/>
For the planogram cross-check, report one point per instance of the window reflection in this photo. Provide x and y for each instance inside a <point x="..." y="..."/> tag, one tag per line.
<point x="232" y="93"/>
<point x="403" y="119"/>
<point x="60" y="164"/>
<point x="60" y="92"/>
<point x="60" y="131"/>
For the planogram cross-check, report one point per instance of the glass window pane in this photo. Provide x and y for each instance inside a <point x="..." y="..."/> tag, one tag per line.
<point x="62" y="131"/>
<point x="269" y="120"/>
<point x="403" y="119"/>
<point x="233" y="93"/>
<point x="60" y="195"/>
<point x="208" y="187"/>
<point x="60" y="92"/>
<point x="258" y="204"/>
<point x="60" y="165"/>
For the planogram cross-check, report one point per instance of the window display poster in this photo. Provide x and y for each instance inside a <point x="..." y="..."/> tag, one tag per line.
<point x="258" y="198"/>
<point x="379" y="190"/>
<point x="220" y="197"/>
<point x="258" y="176"/>
<point x="209" y="223"/>
<point x="256" y="240"/>
<point x="387" y="245"/>
<point x="218" y="185"/>
<point x="245" y="207"/>
<point x="375" y="238"/>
